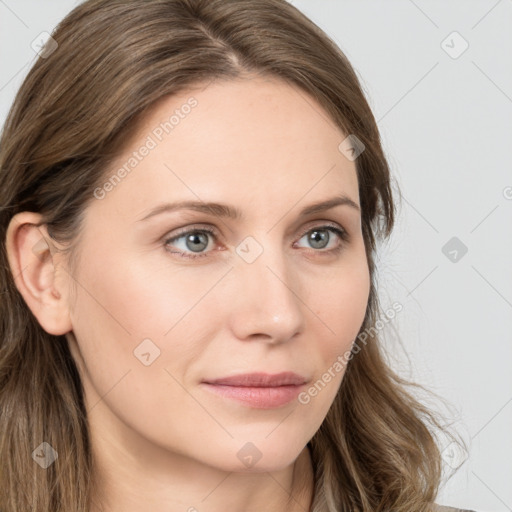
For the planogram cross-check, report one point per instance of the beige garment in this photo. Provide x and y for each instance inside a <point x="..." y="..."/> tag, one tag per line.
<point x="441" y="508"/>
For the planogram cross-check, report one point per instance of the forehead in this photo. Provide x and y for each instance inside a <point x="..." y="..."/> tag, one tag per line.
<point x="256" y="141"/>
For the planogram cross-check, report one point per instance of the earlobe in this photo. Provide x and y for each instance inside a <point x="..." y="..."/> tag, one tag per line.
<point x="34" y="261"/>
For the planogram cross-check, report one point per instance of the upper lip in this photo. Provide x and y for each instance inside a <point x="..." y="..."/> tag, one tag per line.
<point x="263" y="380"/>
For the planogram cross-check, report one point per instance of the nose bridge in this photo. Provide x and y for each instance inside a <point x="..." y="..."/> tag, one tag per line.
<point x="269" y="292"/>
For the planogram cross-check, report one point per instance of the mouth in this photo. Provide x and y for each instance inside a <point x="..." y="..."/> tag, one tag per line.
<point x="258" y="390"/>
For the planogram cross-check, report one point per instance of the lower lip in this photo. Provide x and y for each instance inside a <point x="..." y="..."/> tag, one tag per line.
<point x="257" y="397"/>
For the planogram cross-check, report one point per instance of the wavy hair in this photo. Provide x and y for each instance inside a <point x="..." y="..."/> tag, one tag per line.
<point x="376" y="450"/>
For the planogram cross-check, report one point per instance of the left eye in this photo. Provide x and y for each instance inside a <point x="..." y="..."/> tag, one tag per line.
<point x="196" y="240"/>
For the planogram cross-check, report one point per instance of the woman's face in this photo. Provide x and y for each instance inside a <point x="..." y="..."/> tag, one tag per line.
<point x="164" y="307"/>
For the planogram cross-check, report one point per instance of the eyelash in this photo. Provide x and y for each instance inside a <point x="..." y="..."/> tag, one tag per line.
<point x="342" y="234"/>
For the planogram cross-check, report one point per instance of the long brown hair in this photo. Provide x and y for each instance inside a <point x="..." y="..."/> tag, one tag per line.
<point x="376" y="450"/>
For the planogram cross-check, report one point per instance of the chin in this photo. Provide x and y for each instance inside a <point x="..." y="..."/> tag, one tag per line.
<point x="260" y="455"/>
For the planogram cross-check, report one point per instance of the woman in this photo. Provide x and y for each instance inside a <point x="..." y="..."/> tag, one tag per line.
<point x="143" y="371"/>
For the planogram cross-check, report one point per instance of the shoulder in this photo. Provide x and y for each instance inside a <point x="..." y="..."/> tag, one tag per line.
<point x="441" y="508"/>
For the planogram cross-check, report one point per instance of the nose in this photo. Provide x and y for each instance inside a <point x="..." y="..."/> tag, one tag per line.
<point x="267" y="302"/>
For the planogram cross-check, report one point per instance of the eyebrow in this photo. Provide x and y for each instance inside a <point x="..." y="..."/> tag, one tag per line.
<point x="230" y="212"/>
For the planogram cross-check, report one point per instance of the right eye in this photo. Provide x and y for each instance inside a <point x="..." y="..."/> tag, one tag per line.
<point x="197" y="237"/>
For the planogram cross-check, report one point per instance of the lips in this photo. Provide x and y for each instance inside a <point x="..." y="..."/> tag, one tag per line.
<point x="261" y="380"/>
<point x="258" y="390"/>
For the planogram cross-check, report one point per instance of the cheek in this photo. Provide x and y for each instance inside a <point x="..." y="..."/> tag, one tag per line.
<point x="141" y="300"/>
<point x="346" y="302"/>
<point x="342" y="309"/>
<point x="130" y="367"/>
<point x="129" y="314"/>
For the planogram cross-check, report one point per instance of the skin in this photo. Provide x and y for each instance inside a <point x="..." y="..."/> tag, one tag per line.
<point x="161" y="441"/>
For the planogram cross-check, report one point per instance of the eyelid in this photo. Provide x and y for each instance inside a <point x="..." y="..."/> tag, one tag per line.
<point x="211" y="229"/>
<point x="324" y="224"/>
<point x="191" y="228"/>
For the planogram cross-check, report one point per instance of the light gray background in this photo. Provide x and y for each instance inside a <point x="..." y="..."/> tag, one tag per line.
<point x="446" y="125"/>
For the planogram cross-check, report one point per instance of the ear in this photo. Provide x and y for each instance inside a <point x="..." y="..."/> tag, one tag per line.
<point x="35" y="264"/>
